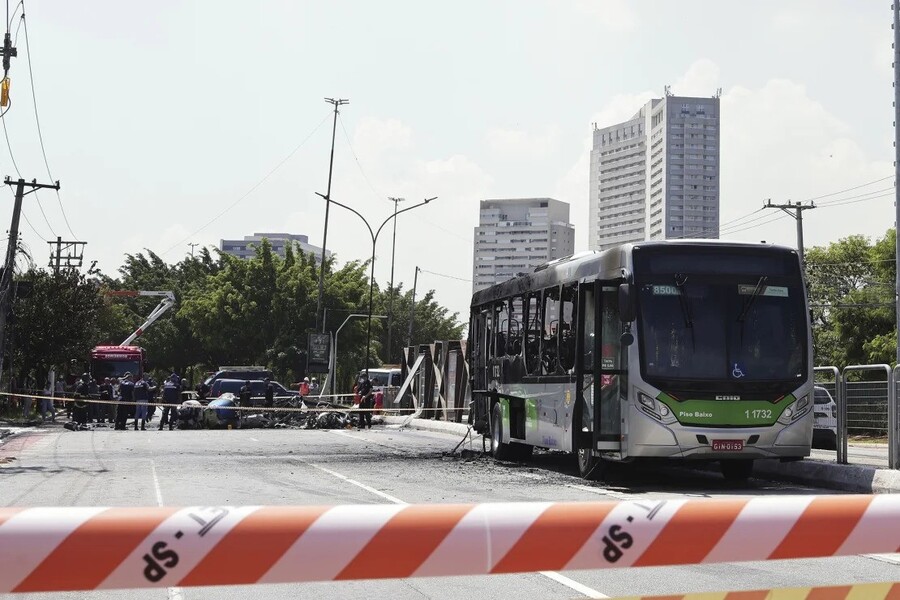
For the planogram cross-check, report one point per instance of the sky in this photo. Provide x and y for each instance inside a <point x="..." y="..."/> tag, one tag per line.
<point x="190" y="121"/>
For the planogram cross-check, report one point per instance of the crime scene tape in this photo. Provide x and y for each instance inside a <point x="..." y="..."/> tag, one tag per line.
<point x="256" y="408"/>
<point x="863" y="591"/>
<point x="60" y="549"/>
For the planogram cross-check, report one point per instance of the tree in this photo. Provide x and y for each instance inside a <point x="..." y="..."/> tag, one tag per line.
<point x="851" y="290"/>
<point x="57" y="322"/>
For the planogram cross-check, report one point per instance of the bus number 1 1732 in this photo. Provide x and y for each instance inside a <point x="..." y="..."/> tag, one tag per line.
<point x="758" y="414"/>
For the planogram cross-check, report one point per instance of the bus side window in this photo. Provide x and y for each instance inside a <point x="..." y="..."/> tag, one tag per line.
<point x="568" y="303"/>
<point x="533" y="334"/>
<point x="501" y="318"/>
<point x="550" y="343"/>
<point x="514" y="343"/>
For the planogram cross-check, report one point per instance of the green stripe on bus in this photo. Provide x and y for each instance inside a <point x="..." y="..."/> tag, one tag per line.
<point x="724" y="413"/>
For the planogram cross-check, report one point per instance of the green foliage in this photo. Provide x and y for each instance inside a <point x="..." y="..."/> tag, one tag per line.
<point x="228" y="311"/>
<point x="851" y="289"/>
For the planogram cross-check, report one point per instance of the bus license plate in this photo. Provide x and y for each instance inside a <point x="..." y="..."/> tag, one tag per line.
<point x="728" y="445"/>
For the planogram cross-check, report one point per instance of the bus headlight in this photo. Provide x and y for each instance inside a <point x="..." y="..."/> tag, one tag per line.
<point x="654" y="408"/>
<point x="795" y="411"/>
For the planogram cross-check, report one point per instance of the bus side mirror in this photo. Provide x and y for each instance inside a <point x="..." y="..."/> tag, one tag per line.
<point x="627" y="338"/>
<point x="626" y="302"/>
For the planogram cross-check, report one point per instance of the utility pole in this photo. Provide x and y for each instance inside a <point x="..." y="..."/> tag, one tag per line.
<point x="896" y="7"/>
<point x="337" y="103"/>
<point x="192" y="245"/>
<point x="69" y="251"/>
<point x="6" y="280"/>
<point x="797" y="215"/>
<point x="412" y="310"/>
<point x="390" y="315"/>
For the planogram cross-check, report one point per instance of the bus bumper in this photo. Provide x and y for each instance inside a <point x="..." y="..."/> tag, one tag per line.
<point x="650" y="438"/>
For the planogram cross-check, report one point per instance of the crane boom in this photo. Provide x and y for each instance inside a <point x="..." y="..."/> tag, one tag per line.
<point x="168" y="300"/>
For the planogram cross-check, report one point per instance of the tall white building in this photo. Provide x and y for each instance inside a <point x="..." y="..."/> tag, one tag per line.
<point x="656" y="176"/>
<point x="515" y="235"/>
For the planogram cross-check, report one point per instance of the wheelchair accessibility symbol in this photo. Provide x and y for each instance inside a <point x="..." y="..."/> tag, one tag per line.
<point x="737" y="372"/>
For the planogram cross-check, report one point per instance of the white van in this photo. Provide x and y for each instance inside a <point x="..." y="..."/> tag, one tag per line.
<point x="825" y="424"/>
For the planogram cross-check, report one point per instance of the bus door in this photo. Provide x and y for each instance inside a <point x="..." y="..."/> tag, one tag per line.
<point x="611" y="367"/>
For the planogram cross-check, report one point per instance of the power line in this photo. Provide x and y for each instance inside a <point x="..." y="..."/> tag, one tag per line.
<point x="37" y="120"/>
<point x="16" y="167"/>
<point x="849" y="189"/>
<point x="356" y="158"/>
<point x="252" y="189"/>
<point x="446" y="276"/>
<point x="838" y="200"/>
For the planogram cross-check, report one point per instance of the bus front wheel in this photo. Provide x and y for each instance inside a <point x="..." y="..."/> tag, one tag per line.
<point x="737" y="470"/>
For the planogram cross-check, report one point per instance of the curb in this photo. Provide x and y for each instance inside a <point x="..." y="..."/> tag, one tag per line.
<point x="851" y="478"/>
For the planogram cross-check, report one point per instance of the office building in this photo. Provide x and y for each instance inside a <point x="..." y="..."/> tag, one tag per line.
<point x="656" y="175"/>
<point x="245" y="248"/>
<point x="515" y="235"/>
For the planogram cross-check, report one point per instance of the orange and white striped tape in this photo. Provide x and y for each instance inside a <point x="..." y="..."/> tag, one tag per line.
<point x="863" y="591"/>
<point x="56" y="549"/>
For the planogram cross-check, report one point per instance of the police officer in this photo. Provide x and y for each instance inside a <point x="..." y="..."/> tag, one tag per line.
<point x="245" y="394"/>
<point x="79" y="404"/>
<point x="126" y="401"/>
<point x="170" y="398"/>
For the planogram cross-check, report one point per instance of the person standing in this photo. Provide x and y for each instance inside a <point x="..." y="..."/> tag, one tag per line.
<point x="245" y="395"/>
<point x="270" y="398"/>
<point x="170" y="397"/>
<point x="364" y="389"/>
<point x="141" y="399"/>
<point x="126" y="401"/>
<point x="304" y="387"/>
<point x="47" y="402"/>
<point x="314" y="386"/>
<point x="104" y="409"/>
<point x="80" y="402"/>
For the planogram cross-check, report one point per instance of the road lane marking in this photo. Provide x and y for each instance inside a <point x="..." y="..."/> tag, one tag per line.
<point x="893" y="559"/>
<point x="558" y="578"/>
<point x="159" y="499"/>
<point x="253" y="439"/>
<point x="603" y="492"/>
<point x="369" y="489"/>
<point x="174" y="593"/>
<point x="571" y="583"/>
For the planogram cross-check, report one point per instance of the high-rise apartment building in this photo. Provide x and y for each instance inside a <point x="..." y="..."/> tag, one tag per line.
<point x="656" y="176"/>
<point x="245" y="248"/>
<point x="515" y="235"/>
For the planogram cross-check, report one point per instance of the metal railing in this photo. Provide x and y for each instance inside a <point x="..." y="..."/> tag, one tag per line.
<point x="835" y="388"/>
<point x="869" y="406"/>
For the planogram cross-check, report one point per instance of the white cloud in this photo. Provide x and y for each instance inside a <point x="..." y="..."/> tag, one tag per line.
<point x="615" y="15"/>
<point x="700" y="80"/>
<point x="373" y="135"/>
<point x="517" y="145"/>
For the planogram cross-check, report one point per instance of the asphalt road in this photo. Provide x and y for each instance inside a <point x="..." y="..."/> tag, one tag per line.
<point x="56" y="467"/>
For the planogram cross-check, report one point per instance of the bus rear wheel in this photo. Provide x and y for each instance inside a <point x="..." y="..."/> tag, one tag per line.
<point x="737" y="470"/>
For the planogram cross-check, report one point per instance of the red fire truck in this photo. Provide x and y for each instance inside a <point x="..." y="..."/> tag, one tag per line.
<point x="115" y="361"/>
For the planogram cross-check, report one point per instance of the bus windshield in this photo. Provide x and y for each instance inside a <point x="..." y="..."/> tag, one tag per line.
<point x="101" y="368"/>
<point x="745" y="330"/>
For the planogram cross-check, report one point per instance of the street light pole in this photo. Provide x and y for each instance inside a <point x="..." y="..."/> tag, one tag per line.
<point x="337" y="103"/>
<point x="336" y="333"/>
<point x="390" y="311"/>
<point x="374" y="236"/>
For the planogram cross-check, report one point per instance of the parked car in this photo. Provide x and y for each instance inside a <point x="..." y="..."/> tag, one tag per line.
<point x="244" y="373"/>
<point x="825" y="424"/>
<point x="257" y="388"/>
